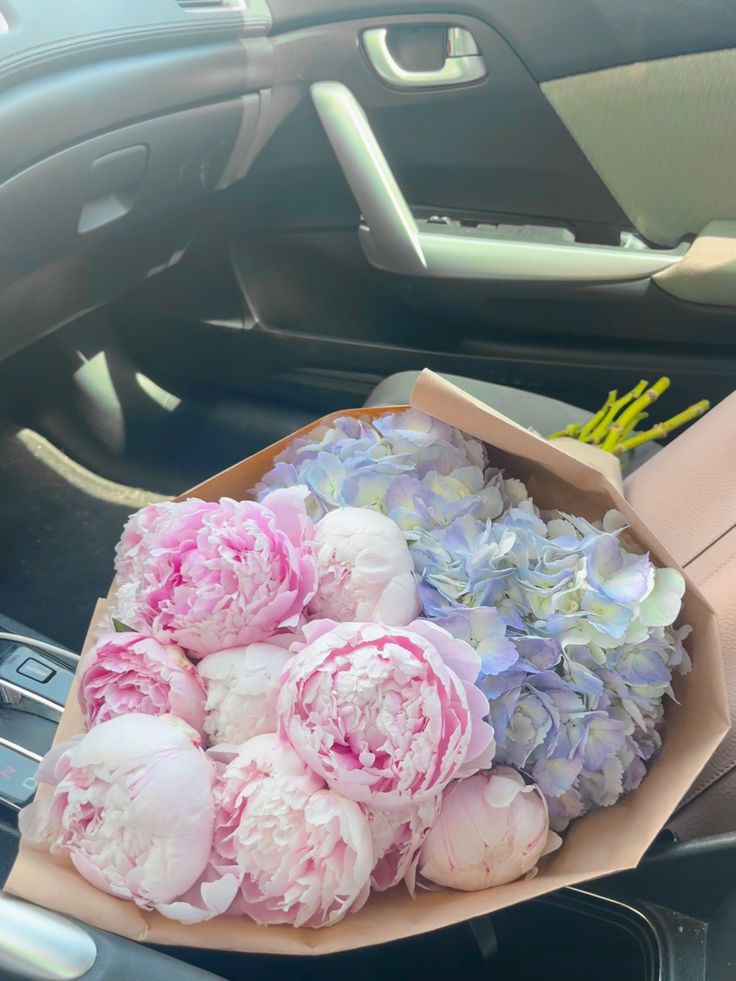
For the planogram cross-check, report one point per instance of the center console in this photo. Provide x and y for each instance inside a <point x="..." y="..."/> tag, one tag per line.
<point x="35" y="678"/>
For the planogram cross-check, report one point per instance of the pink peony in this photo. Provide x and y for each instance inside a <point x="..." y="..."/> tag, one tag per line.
<point x="129" y="672"/>
<point x="303" y="853"/>
<point x="366" y="571"/>
<point x="132" y="806"/>
<point x="242" y="691"/>
<point x="397" y="839"/>
<point x="492" y="829"/>
<point x="210" y="576"/>
<point x="386" y="716"/>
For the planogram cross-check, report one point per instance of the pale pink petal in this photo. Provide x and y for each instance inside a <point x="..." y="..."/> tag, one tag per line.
<point x="209" y="576"/>
<point x="493" y="828"/>
<point x="130" y="672"/>
<point x="118" y="811"/>
<point x="379" y="715"/>
<point x="304" y="853"/>
<point x="366" y="572"/>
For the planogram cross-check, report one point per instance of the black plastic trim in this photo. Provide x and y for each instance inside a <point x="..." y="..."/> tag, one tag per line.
<point x="58" y="258"/>
<point x="44" y="35"/>
<point x="93" y="99"/>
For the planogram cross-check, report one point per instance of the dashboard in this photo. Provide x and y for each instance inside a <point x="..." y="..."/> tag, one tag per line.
<point x="118" y="119"/>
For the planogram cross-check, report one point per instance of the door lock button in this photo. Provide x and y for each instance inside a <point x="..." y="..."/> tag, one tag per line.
<point x="31" y="668"/>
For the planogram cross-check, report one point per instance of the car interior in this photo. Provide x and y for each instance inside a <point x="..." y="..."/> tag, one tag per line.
<point x="222" y="219"/>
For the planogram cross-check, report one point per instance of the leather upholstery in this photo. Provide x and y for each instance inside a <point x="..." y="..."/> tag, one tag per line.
<point x="688" y="498"/>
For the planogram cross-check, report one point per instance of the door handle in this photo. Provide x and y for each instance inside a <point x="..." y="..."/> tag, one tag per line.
<point x="393" y="240"/>
<point x="463" y="64"/>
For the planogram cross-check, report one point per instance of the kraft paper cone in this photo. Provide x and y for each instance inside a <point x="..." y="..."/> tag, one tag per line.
<point x="605" y="841"/>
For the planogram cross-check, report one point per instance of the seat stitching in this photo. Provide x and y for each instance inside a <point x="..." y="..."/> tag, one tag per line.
<point x="717" y="569"/>
<point x="709" y="545"/>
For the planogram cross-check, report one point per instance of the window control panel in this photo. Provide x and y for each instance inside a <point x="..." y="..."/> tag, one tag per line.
<point x="25" y="738"/>
<point x="34" y="687"/>
<point x="35" y="675"/>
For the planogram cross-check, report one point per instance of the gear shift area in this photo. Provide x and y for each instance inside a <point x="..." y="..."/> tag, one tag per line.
<point x="34" y="686"/>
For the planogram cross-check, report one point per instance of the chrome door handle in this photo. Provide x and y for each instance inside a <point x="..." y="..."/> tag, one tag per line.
<point x="392" y="239"/>
<point x="463" y="64"/>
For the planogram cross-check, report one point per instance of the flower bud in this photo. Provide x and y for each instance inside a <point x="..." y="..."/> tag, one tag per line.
<point x="492" y="829"/>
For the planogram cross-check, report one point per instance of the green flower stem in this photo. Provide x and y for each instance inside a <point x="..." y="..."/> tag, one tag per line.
<point x="601" y="431"/>
<point x="613" y="435"/>
<point x="663" y="429"/>
<point x="573" y="430"/>
<point x="591" y="424"/>
<point x="617" y="432"/>
<point x="633" y="424"/>
<point x="643" y="402"/>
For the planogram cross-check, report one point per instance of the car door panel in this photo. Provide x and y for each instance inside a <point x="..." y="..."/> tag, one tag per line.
<point x="662" y="136"/>
<point x="558" y="38"/>
<point x="493" y="151"/>
<point x="496" y="145"/>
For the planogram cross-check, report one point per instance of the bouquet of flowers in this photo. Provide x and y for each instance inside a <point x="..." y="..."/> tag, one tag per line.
<point x="388" y="668"/>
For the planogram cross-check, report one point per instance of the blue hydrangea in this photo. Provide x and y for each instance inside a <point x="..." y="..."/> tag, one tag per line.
<point x="573" y="626"/>
<point x="583" y="722"/>
<point x="353" y="462"/>
<point x="485" y="631"/>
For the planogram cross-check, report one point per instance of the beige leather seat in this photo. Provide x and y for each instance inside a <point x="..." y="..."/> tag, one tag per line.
<point x="687" y="495"/>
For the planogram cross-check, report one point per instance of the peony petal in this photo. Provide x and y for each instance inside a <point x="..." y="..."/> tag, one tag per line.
<point x="116" y="809"/>
<point x="314" y="853"/>
<point x="378" y="714"/>
<point x="501" y="791"/>
<point x="205" y="899"/>
<point x="485" y="835"/>
<point x="212" y="575"/>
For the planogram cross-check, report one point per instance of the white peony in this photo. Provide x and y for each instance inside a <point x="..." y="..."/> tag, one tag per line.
<point x="366" y="573"/>
<point x="303" y="854"/>
<point x="242" y="691"/>
<point x="132" y="806"/>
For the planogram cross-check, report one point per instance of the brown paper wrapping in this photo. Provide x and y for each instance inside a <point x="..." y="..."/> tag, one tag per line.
<point x="606" y="841"/>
